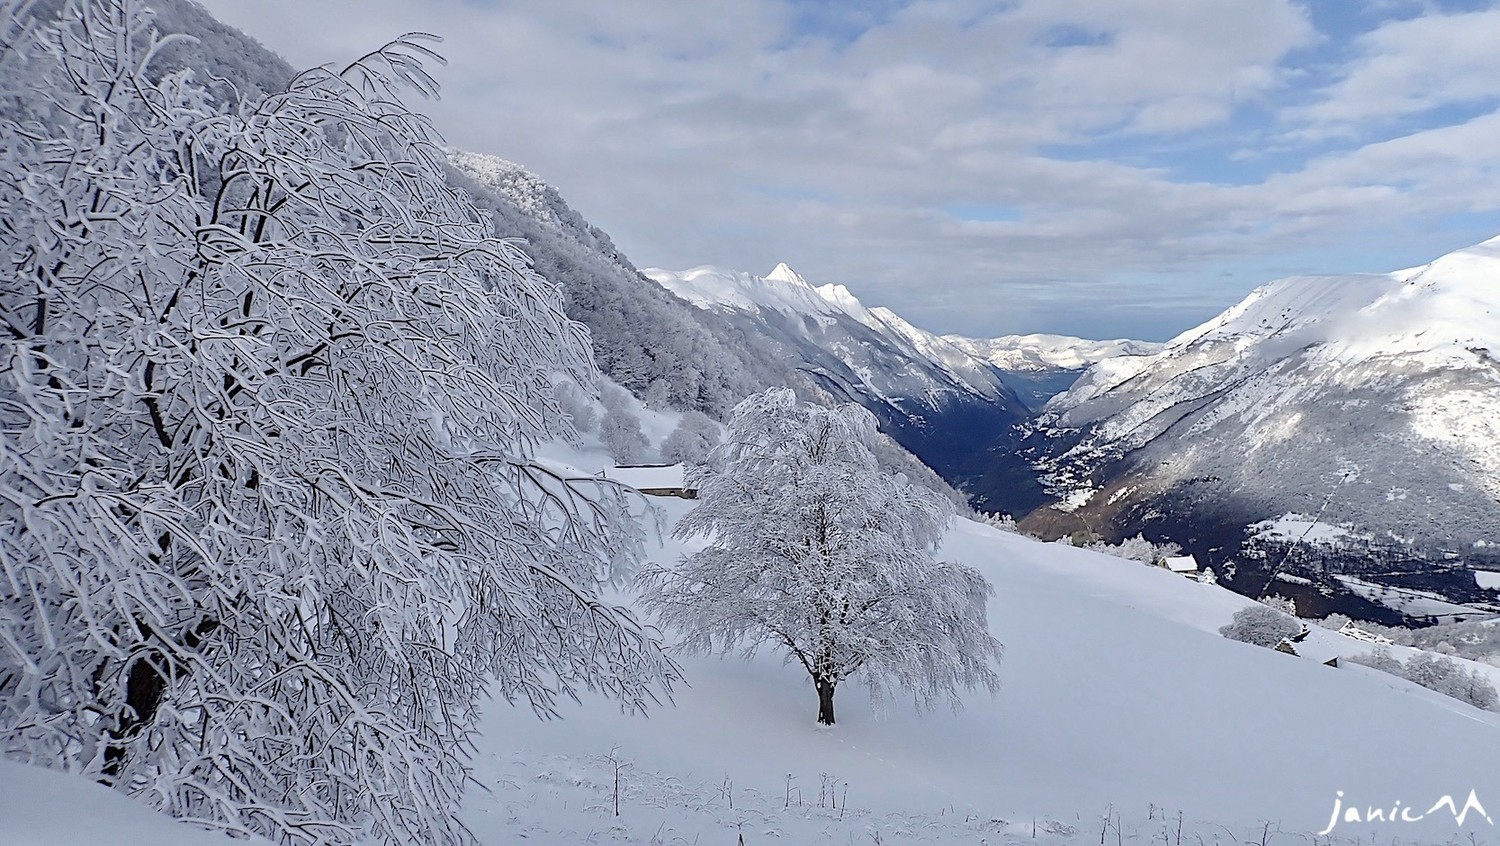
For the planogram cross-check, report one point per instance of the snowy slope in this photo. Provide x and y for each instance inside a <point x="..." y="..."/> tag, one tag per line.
<point x="1118" y="697"/>
<point x="1374" y="398"/>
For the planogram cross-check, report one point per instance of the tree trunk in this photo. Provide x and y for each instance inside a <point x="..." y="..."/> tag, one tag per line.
<point x="825" y="701"/>
<point x="145" y="688"/>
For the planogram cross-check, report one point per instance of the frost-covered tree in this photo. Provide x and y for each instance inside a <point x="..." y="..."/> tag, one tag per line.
<point x="269" y="523"/>
<point x="576" y="405"/>
<point x="658" y="395"/>
<point x="1335" y="621"/>
<point x="620" y="432"/>
<point x="1261" y="625"/>
<point x="692" y="441"/>
<point x="1138" y="549"/>
<point x="811" y="548"/>
<point x="1281" y="603"/>
<point x="1436" y="672"/>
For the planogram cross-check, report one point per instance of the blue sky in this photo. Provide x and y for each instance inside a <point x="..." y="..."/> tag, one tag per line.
<point x="1102" y="168"/>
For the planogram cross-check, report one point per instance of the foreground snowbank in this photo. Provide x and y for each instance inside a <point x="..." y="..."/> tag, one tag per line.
<point x="44" y="808"/>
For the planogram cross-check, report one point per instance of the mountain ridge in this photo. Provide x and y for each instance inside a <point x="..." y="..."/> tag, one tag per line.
<point x="958" y="412"/>
<point x="1369" y="401"/>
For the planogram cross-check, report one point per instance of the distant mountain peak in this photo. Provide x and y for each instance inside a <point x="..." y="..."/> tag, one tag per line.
<point x="784" y="273"/>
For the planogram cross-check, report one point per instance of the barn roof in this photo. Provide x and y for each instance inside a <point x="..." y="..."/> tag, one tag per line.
<point x="647" y="477"/>
<point x="1181" y="563"/>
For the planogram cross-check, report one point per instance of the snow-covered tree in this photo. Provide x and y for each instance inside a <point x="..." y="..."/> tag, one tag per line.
<point x="658" y="395"/>
<point x="269" y="522"/>
<point x="1003" y="522"/>
<point x="576" y="405"/>
<point x="1436" y="672"/>
<point x="1281" y="603"/>
<point x="620" y="432"/>
<point x="1138" y="549"/>
<point x="811" y="548"/>
<point x="1261" y="625"/>
<point x="692" y="441"/>
<point x="1207" y="576"/>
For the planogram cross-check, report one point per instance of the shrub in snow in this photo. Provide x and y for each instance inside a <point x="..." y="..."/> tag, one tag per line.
<point x="811" y="548"/>
<point x="1335" y="621"/>
<point x="1207" y="577"/>
<point x="1381" y="659"/>
<point x="1261" y="625"/>
<point x="691" y="442"/>
<point x="1443" y="674"/>
<point x="269" y="525"/>
<point x="620" y="432"/>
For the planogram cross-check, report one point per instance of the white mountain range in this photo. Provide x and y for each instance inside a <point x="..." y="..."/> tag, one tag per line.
<point x="1366" y="403"/>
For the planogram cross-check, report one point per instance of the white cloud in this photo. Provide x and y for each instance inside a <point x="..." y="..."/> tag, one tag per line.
<point x="724" y="133"/>
<point x="1406" y="67"/>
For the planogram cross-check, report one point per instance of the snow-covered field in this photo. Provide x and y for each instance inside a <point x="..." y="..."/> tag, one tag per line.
<point x="1119" y="698"/>
<point x="1119" y="701"/>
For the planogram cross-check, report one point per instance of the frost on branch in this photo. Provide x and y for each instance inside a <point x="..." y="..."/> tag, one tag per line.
<point x="269" y="521"/>
<point x="813" y="549"/>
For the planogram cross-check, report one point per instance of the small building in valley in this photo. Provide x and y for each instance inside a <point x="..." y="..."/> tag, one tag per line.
<point x="1184" y="565"/>
<point x="653" y="479"/>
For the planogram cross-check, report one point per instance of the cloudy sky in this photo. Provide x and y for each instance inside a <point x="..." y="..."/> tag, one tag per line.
<point x="1094" y="167"/>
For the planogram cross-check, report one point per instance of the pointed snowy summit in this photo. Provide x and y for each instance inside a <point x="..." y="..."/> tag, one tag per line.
<point x="784" y="273"/>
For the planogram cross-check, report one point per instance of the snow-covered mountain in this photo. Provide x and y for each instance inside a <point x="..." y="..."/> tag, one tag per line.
<point x="1041" y="366"/>
<point x="1346" y="423"/>
<point x="1019" y="353"/>
<point x="954" y="411"/>
<point x="896" y="361"/>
